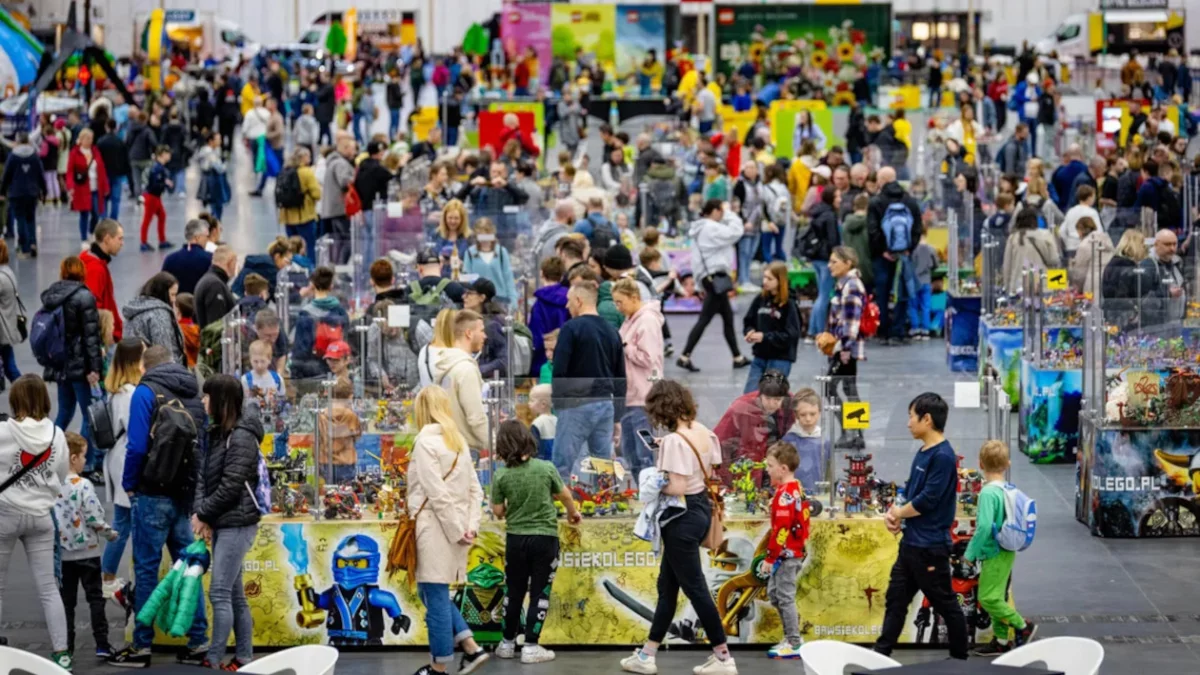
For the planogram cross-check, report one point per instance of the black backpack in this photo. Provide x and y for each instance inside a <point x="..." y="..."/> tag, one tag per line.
<point x="1170" y="209"/>
<point x="171" y="457"/>
<point x="603" y="236"/>
<point x="288" y="192"/>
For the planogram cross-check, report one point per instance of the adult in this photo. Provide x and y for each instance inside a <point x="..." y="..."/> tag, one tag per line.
<point x="115" y="154"/>
<point x="705" y="106"/>
<point x="455" y="369"/>
<point x="191" y="261"/>
<point x="1121" y="283"/>
<point x="23" y="184"/>
<point x="489" y="196"/>
<point x="214" y="191"/>
<point x="123" y="376"/>
<point x="107" y="241"/>
<point x="642" y="337"/>
<point x="571" y="119"/>
<point x="152" y="316"/>
<point x="547" y="236"/>
<point x="614" y="173"/>
<point x="817" y="245"/>
<point x="687" y="456"/>
<point x="10" y="314"/>
<point x="1016" y="151"/>
<point x="429" y="276"/>
<point x="1093" y="255"/>
<point x="512" y="131"/>
<point x="479" y="297"/>
<point x="771" y="326"/>
<point x="228" y="112"/>
<point x="435" y="196"/>
<point x="339" y="176"/>
<point x="301" y="221"/>
<point x="87" y="181"/>
<point x="213" y="297"/>
<point x="713" y="237"/>
<point x="596" y="227"/>
<point x="273" y="144"/>
<point x="325" y="108"/>
<point x="1028" y="247"/>
<point x="845" y="319"/>
<point x="589" y="380"/>
<point x="748" y="195"/>
<point x="26" y="506"/>
<point x="1097" y="167"/>
<point x="647" y="157"/>
<point x="1164" y="296"/>
<point x="84" y="352"/>
<point x="371" y="182"/>
<point x="141" y="141"/>
<point x="161" y="509"/>
<point x="1154" y="196"/>
<point x="453" y="233"/>
<point x="858" y="185"/>
<point x="227" y="513"/>
<point x="1064" y="176"/>
<point x="444" y="498"/>
<point x="1085" y="198"/>
<point x="890" y="214"/>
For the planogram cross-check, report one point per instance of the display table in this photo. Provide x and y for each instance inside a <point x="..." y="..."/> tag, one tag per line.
<point x="1000" y="347"/>
<point x="962" y="332"/>
<point x="1138" y="482"/>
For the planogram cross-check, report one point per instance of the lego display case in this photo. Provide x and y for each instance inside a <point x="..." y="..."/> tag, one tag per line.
<point x="964" y="303"/>
<point x="1001" y="328"/>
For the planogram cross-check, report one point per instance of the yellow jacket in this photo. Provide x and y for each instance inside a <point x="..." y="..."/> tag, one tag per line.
<point x="903" y="129"/>
<point x="312" y="193"/>
<point x="249" y="97"/>
<point x="798" y="179"/>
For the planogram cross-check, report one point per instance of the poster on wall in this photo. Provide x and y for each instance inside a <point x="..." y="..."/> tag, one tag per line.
<point x="524" y="26"/>
<point x="591" y="28"/>
<point x="640" y="28"/>
<point x="769" y="33"/>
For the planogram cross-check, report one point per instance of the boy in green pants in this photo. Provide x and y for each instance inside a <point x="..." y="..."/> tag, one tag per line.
<point x="996" y="564"/>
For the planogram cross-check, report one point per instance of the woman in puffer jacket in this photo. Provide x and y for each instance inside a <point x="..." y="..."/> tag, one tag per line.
<point x="85" y="357"/>
<point x="151" y="316"/>
<point x="227" y="512"/>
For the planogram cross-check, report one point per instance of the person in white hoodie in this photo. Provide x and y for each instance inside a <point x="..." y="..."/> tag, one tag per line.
<point x="443" y="339"/>
<point x="713" y="237"/>
<point x="456" y="371"/>
<point x="123" y="376"/>
<point x="1085" y="207"/>
<point x="31" y="443"/>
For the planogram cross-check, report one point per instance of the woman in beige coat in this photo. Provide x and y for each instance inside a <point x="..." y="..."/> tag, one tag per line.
<point x="1085" y="273"/>
<point x="444" y="497"/>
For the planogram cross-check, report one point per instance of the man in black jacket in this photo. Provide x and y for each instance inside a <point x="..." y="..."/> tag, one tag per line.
<point x="372" y="180"/>
<point x="491" y="195"/>
<point x="141" y="141"/>
<point x="116" y="162"/>
<point x="213" y="297"/>
<point x="324" y="109"/>
<point x="893" y="151"/>
<point x="395" y="103"/>
<point x="887" y="257"/>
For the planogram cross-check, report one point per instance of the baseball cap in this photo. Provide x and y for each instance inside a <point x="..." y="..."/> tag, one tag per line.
<point x="823" y="171"/>
<point x="337" y="349"/>
<point x="618" y="258"/>
<point x="427" y="257"/>
<point x="484" y="287"/>
<point x="376" y="147"/>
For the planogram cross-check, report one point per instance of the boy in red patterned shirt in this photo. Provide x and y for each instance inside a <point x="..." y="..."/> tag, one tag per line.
<point x="785" y="545"/>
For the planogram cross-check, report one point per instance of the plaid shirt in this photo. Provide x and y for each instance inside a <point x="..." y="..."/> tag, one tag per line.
<point x="846" y="313"/>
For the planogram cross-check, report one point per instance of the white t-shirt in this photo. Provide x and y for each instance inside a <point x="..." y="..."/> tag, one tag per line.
<point x="93" y="179"/>
<point x="1067" y="232"/>
<point x="268" y="381"/>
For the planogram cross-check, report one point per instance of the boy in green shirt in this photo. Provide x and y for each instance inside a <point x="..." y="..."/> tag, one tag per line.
<point x="1010" y="629"/>
<point x="523" y="493"/>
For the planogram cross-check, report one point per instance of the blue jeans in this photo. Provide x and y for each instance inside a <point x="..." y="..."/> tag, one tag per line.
<point x="745" y="254"/>
<point x="366" y="121"/>
<point x="908" y="288"/>
<point x="393" y="122"/>
<point x="70" y="393"/>
<point x="180" y="180"/>
<point x="231" y="612"/>
<point x="590" y="424"/>
<point x="88" y="219"/>
<point x="706" y="127"/>
<point x="759" y="366"/>
<point x="451" y="137"/>
<point x="443" y="621"/>
<point x="10" y="363"/>
<point x="820" y="312"/>
<point x="918" y="308"/>
<point x="308" y="231"/>
<point x="159" y="521"/>
<point x="637" y="456"/>
<point x="772" y="246"/>
<point x="115" y="184"/>
<point x="216" y="209"/>
<point x="115" y="549"/>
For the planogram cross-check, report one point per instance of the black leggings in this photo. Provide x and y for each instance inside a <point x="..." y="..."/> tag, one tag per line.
<point x="681" y="569"/>
<point x="844" y="374"/>
<point x="530" y="563"/>
<point x="714" y="303"/>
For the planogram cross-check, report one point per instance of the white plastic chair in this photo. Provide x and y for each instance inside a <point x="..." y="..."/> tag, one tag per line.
<point x="303" y="660"/>
<point x="1071" y="655"/>
<point x="15" y="659"/>
<point x="830" y="657"/>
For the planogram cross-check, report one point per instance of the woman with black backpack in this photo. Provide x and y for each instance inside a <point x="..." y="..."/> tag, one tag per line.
<point x="227" y="508"/>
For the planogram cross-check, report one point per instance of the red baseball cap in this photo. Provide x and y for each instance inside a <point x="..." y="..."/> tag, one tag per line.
<point x="337" y="350"/>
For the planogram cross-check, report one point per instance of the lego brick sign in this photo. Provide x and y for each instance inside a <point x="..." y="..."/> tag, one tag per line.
<point x="856" y="415"/>
<point x="1056" y="280"/>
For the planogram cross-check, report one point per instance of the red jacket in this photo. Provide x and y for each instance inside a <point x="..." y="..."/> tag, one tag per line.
<point x="744" y="431"/>
<point x="527" y="145"/>
<point x="81" y="193"/>
<point x="99" y="282"/>
<point x="789" y="523"/>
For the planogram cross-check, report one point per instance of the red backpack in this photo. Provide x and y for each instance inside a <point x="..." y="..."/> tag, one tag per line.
<point x="870" y="318"/>
<point x="327" y="334"/>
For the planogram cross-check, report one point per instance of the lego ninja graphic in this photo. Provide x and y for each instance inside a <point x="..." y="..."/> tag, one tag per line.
<point x="353" y="608"/>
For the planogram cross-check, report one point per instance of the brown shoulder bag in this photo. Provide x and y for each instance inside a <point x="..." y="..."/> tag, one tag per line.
<point x="716" y="527"/>
<point x="402" y="552"/>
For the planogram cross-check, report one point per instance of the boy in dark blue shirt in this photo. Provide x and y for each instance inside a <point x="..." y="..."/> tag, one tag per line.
<point x="923" y="563"/>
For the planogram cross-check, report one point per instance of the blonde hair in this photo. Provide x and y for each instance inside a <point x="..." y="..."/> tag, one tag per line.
<point x="627" y="287"/>
<point x="464" y="230"/>
<point x="261" y="348"/>
<point x="1037" y="186"/>
<point x="443" y="328"/>
<point x="993" y="457"/>
<point x="433" y="407"/>
<point x="485" y="226"/>
<point x="126" y="366"/>
<point x="1132" y="245"/>
<point x="106" y="326"/>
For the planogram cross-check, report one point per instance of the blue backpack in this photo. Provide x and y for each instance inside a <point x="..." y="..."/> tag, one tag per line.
<point x="48" y="335"/>
<point x="1020" y="520"/>
<point x="897" y="227"/>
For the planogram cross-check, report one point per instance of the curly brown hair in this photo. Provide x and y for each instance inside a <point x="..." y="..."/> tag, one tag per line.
<point x="670" y="404"/>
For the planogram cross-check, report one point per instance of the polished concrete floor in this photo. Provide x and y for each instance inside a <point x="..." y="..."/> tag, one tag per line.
<point x="1140" y="598"/>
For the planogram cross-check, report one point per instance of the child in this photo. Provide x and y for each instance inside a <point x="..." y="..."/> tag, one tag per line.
<point x="80" y="517"/>
<point x="545" y="425"/>
<point x="920" y="192"/>
<point x="924" y="260"/>
<point x="106" y="338"/>
<point x="185" y="307"/>
<point x="785" y="546"/>
<point x="337" y="357"/>
<point x="996" y="564"/>
<point x="523" y="493"/>
<point x="158" y="181"/>
<point x="621" y="220"/>
<point x="262" y="380"/>
<point x="805" y="436"/>
<point x="339" y="432"/>
<point x="546" y="374"/>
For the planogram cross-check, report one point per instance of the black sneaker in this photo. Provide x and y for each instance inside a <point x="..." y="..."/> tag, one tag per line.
<point x="193" y="657"/>
<point x="1025" y="636"/>
<point x="991" y="649"/>
<point x="130" y="657"/>
<point x="471" y="662"/>
<point x="426" y="670"/>
<point x="741" y="362"/>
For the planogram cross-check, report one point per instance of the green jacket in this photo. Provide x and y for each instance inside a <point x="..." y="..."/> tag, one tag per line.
<point x="988" y="519"/>
<point x="854" y="235"/>
<point x="606" y="309"/>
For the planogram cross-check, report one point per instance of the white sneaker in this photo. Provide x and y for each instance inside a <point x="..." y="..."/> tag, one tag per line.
<point x="784" y="650"/>
<point x="111" y="587"/>
<point x="715" y="666"/>
<point x="639" y="664"/>
<point x="506" y="650"/>
<point x="536" y="654"/>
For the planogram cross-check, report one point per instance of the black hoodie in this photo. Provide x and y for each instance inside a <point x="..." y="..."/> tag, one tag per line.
<point x="890" y="194"/>
<point x="228" y="475"/>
